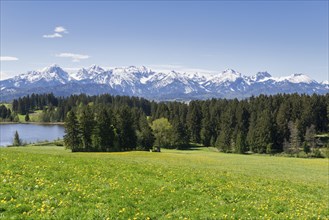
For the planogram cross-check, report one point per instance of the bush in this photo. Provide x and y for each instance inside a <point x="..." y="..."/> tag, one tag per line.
<point x="316" y="153"/>
<point x="306" y="148"/>
<point x="302" y="154"/>
<point x="325" y="151"/>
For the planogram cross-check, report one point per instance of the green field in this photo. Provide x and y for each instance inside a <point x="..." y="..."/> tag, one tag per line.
<point x="34" y="117"/>
<point x="50" y="182"/>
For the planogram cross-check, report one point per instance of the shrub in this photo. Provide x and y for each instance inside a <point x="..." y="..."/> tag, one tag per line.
<point x="316" y="153"/>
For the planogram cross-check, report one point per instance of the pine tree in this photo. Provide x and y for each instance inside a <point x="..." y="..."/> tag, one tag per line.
<point x="310" y="136"/>
<point x="103" y="135"/>
<point x="294" y="140"/>
<point x="127" y="138"/>
<point x="86" y="126"/>
<point x="194" y="117"/>
<point x="145" y="137"/>
<point x="15" y="105"/>
<point x="286" y="146"/>
<point x="206" y="126"/>
<point x="179" y="135"/>
<point x="17" y="140"/>
<point x="27" y="117"/>
<point x="72" y="133"/>
<point x="282" y="119"/>
<point x="242" y="118"/>
<point x="240" y="146"/>
<point x="223" y="142"/>
<point x="252" y="132"/>
<point x="264" y="129"/>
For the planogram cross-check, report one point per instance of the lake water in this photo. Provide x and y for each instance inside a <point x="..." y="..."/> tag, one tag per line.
<point x="30" y="133"/>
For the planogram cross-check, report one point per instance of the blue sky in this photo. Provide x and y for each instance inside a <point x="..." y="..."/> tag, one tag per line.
<point x="249" y="36"/>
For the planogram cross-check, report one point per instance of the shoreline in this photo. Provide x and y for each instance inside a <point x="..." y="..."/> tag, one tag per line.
<point x="36" y="123"/>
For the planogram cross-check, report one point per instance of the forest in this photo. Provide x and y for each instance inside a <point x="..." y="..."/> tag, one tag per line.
<point x="286" y="123"/>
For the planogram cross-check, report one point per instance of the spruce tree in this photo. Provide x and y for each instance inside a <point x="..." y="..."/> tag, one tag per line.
<point x="224" y="140"/>
<point x="126" y="132"/>
<point x="194" y="118"/>
<point x="206" y="126"/>
<point x="294" y="140"/>
<point x="86" y="126"/>
<point x="27" y="117"/>
<point x="103" y="135"/>
<point x="252" y="132"/>
<point x="17" y="141"/>
<point x="240" y="143"/>
<point x="180" y="137"/>
<point x="282" y="119"/>
<point x="264" y="131"/>
<point x="72" y="133"/>
<point x="145" y="137"/>
<point x="310" y="136"/>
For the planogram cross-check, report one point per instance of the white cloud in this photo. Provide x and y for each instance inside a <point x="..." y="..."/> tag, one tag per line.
<point x="73" y="56"/>
<point x="55" y="35"/>
<point x="60" y="29"/>
<point x="8" y="58"/>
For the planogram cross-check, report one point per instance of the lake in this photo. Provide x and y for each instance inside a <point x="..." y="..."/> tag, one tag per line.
<point x="30" y="133"/>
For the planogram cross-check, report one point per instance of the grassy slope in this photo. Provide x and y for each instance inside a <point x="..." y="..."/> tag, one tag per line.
<point x="34" y="117"/>
<point x="50" y="182"/>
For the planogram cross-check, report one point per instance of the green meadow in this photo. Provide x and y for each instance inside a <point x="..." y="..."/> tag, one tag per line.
<point x="48" y="182"/>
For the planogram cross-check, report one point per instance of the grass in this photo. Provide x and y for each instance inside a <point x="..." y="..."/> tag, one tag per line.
<point x="8" y="105"/>
<point x="39" y="182"/>
<point x="34" y="116"/>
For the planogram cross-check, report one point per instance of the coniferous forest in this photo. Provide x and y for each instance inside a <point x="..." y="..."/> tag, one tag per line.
<point x="264" y="124"/>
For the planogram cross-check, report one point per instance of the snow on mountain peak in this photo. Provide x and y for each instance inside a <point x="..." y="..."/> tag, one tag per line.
<point x="142" y="81"/>
<point x="134" y="69"/>
<point x="95" y="68"/>
<point x="88" y="73"/>
<point x="51" y="73"/>
<point x="52" y="69"/>
<point x="297" y="78"/>
<point x="227" y="75"/>
<point x="231" y="72"/>
<point x="261" y="76"/>
<point x="326" y="82"/>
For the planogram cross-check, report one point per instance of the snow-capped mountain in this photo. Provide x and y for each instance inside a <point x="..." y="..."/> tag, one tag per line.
<point x="50" y="76"/>
<point x="261" y="76"/>
<point x="88" y="73"/>
<point x="297" y="78"/>
<point x="227" y="82"/>
<point x="141" y="81"/>
<point x="325" y="82"/>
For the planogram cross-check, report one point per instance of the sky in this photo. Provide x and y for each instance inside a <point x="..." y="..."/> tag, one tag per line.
<point x="281" y="37"/>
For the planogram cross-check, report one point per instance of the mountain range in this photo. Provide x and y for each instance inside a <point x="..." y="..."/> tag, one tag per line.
<point x="143" y="82"/>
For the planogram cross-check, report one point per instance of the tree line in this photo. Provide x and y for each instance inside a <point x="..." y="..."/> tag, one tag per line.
<point x="262" y="124"/>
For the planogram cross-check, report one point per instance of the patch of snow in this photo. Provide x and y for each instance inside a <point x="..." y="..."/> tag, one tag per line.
<point x="261" y="77"/>
<point x="228" y="75"/>
<point x="296" y="78"/>
<point x="326" y="82"/>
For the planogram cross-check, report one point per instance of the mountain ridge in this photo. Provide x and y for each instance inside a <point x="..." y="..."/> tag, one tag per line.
<point x="142" y="81"/>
